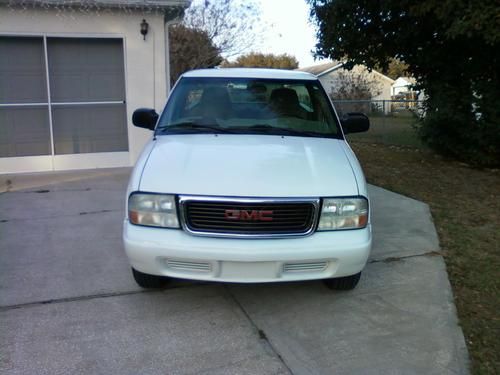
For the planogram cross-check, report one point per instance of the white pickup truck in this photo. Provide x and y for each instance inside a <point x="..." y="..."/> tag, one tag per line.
<point x="248" y="178"/>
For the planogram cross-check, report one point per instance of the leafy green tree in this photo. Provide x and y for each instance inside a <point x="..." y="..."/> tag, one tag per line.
<point x="264" y="60"/>
<point x="452" y="48"/>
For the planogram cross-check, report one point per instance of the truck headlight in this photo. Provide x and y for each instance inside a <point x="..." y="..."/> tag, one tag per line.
<point x="343" y="213"/>
<point x="155" y="210"/>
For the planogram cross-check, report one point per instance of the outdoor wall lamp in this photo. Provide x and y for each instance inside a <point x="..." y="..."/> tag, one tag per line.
<point x="144" y="28"/>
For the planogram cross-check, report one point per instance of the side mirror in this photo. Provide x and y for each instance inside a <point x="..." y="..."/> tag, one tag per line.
<point x="145" y="118"/>
<point x="355" y="122"/>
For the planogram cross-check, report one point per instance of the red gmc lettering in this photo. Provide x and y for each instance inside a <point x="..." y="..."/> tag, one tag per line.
<point x="249" y="215"/>
<point x="232" y="214"/>
<point x="266" y="215"/>
<point x="253" y="215"/>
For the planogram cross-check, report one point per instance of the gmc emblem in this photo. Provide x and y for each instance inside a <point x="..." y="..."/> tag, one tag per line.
<point x="253" y="215"/>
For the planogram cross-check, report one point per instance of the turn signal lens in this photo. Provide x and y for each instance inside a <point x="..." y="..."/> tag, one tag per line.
<point x="343" y="213"/>
<point x="155" y="210"/>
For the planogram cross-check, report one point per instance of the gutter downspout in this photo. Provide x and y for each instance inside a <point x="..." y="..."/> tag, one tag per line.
<point x="172" y="17"/>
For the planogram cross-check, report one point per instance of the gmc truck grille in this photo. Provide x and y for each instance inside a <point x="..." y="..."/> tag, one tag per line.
<point x="248" y="217"/>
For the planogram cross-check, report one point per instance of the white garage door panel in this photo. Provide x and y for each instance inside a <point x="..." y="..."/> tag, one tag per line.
<point x="26" y="164"/>
<point x="91" y="161"/>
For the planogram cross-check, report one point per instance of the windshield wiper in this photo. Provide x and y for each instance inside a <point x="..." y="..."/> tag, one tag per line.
<point x="273" y="129"/>
<point x="191" y="125"/>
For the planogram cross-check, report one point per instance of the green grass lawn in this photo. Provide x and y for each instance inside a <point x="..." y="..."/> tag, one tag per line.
<point x="465" y="205"/>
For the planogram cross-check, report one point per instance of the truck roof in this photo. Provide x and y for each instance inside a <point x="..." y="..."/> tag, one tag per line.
<point x="250" y="73"/>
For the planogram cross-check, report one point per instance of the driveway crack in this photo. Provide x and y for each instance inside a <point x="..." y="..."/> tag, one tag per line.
<point x="94" y="296"/>
<point x="262" y="335"/>
<point x="400" y="258"/>
<point x="60" y="216"/>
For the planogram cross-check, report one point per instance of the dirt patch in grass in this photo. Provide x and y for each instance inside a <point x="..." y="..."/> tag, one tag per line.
<point x="465" y="205"/>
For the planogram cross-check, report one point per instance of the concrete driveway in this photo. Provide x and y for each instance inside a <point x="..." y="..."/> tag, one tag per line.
<point x="69" y="305"/>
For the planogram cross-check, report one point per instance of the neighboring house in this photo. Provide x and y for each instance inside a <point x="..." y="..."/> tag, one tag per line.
<point x="405" y="97"/>
<point x="333" y="76"/>
<point x="402" y="85"/>
<point x="71" y="74"/>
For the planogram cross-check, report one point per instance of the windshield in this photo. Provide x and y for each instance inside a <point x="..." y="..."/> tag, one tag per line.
<point x="249" y="106"/>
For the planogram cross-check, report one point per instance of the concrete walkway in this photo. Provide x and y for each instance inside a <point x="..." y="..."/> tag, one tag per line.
<point x="69" y="305"/>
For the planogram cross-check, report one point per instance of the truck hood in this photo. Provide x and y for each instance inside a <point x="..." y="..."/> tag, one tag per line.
<point x="248" y="166"/>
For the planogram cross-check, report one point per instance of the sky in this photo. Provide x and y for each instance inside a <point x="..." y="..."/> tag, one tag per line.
<point x="289" y="30"/>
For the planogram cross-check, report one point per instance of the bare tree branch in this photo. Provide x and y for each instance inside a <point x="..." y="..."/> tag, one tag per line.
<point x="234" y="26"/>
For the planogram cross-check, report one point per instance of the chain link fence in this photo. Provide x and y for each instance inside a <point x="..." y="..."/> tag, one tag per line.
<point x="392" y="122"/>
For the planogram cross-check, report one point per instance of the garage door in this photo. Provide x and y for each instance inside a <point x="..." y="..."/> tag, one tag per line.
<point x="62" y="102"/>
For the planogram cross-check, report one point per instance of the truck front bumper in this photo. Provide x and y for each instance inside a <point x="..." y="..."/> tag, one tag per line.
<point x="175" y="253"/>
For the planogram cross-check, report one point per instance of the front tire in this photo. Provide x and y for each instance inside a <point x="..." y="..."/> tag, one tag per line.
<point x="343" y="283"/>
<point x="147" y="281"/>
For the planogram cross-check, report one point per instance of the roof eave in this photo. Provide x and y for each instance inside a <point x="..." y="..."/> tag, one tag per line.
<point x="384" y="76"/>
<point x="329" y="70"/>
<point x="121" y="4"/>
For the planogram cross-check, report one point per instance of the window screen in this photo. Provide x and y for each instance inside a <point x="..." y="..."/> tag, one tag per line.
<point x="86" y="70"/>
<point x="83" y="71"/>
<point x="24" y="131"/>
<point x="22" y="70"/>
<point x="83" y="129"/>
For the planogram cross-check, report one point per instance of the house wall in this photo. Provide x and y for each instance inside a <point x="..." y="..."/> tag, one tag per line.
<point x="383" y="84"/>
<point x="145" y="71"/>
<point x="385" y="87"/>
<point x="401" y="85"/>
